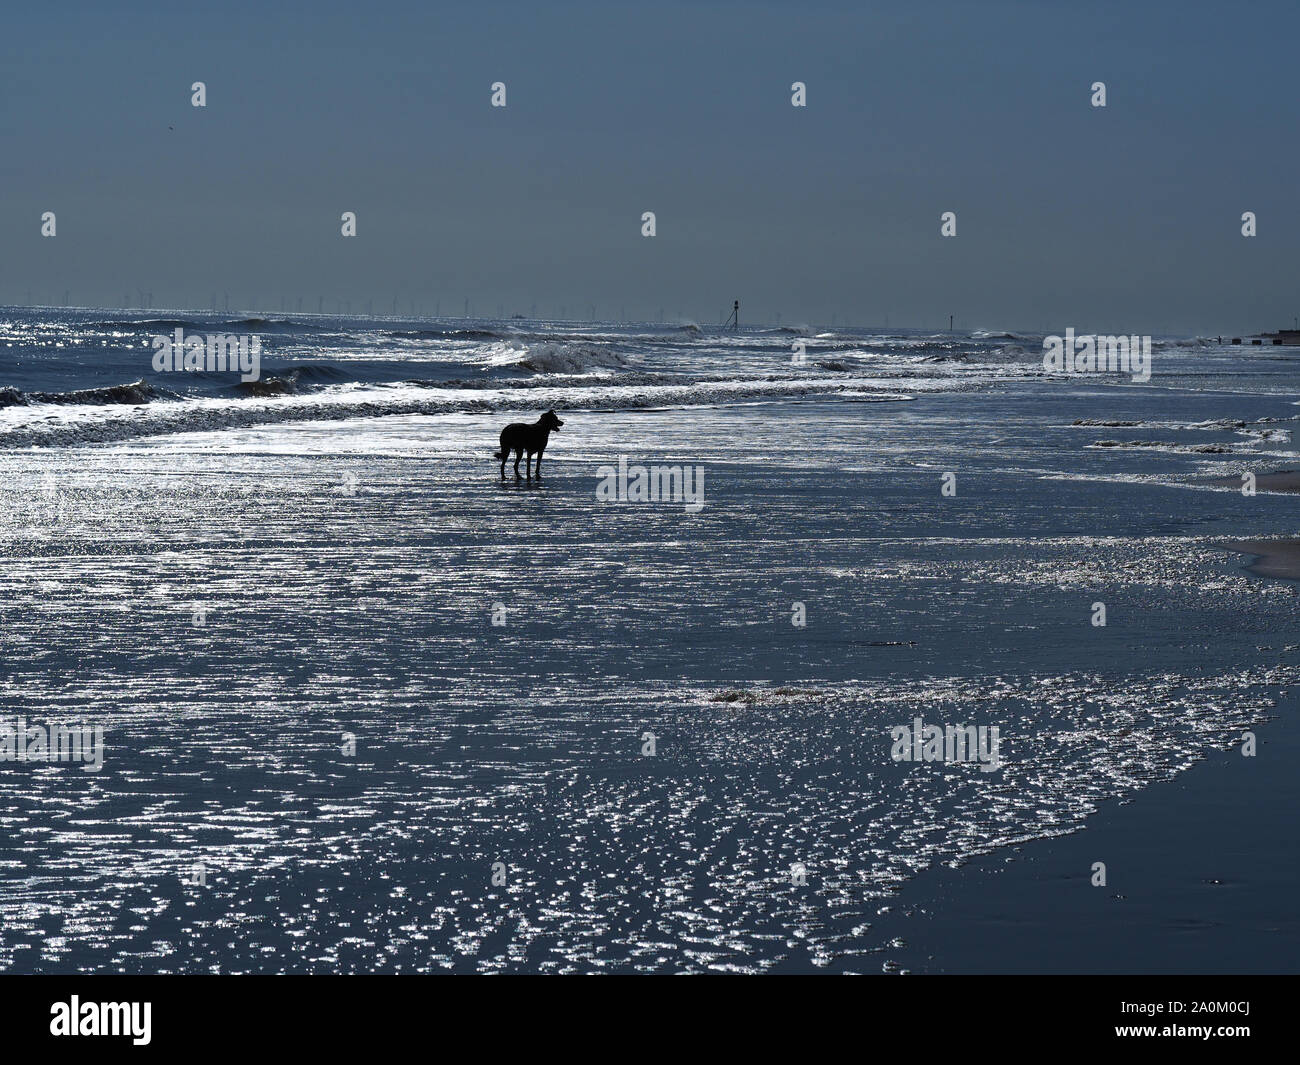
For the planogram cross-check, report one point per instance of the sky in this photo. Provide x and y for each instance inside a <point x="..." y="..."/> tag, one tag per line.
<point x="1125" y="218"/>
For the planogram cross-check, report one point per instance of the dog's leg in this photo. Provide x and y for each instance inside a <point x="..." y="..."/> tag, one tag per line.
<point x="519" y="453"/>
<point x="529" y="465"/>
<point x="539" y="463"/>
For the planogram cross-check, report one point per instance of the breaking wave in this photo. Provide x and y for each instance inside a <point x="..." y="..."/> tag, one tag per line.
<point x="559" y="358"/>
<point x="134" y="393"/>
<point x="275" y="403"/>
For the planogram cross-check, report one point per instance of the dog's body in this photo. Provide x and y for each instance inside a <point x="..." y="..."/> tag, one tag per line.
<point x="528" y="439"/>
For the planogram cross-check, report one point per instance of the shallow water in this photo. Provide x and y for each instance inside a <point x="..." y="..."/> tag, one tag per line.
<point x="232" y="602"/>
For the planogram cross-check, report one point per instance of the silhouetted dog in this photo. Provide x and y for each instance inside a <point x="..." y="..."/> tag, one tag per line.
<point x="523" y="438"/>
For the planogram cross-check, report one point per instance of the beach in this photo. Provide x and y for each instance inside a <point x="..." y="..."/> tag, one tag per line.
<point x="1273" y="558"/>
<point x="368" y="707"/>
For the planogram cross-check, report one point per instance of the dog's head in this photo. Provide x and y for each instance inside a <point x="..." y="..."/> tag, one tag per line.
<point x="551" y="421"/>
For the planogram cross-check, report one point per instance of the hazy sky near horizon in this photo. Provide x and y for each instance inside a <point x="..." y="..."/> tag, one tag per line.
<point x="1125" y="218"/>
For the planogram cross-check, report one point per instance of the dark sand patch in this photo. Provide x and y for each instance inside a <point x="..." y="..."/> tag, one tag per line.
<point x="1283" y="481"/>
<point x="1276" y="558"/>
<point x="1202" y="866"/>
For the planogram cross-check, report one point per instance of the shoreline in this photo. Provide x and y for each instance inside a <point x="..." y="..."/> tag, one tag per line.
<point x="1285" y="482"/>
<point x="1199" y="866"/>
<point x="1273" y="558"/>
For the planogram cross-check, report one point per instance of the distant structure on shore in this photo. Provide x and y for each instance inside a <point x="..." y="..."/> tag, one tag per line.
<point x="1289" y="337"/>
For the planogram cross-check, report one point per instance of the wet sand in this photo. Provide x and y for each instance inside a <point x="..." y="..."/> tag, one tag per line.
<point x="1282" y="481"/>
<point x="1275" y="558"/>
<point x="1197" y="868"/>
